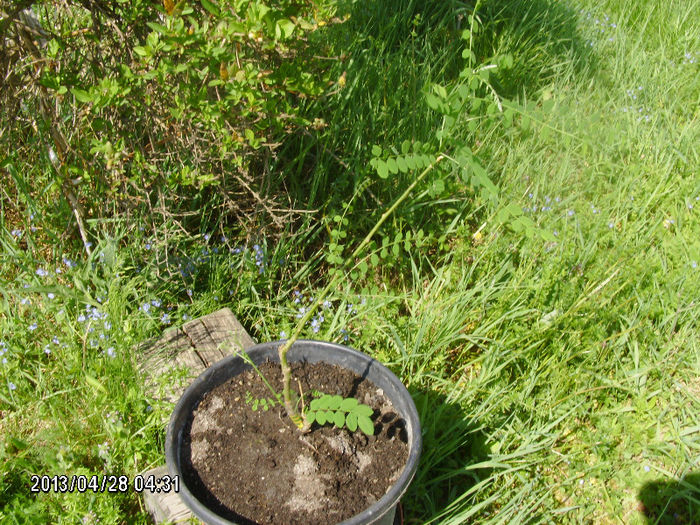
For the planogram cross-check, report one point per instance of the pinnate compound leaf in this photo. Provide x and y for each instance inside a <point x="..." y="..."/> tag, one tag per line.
<point x="363" y="410"/>
<point x="401" y="163"/>
<point x="310" y="417"/>
<point x="365" y="424"/>
<point x="351" y="422"/>
<point x="323" y="402"/>
<point x="334" y="402"/>
<point x="411" y="162"/>
<point x="348" y="404"/>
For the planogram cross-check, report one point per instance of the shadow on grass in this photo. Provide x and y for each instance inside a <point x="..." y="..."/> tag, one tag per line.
<point x="452" y="446"/>
<point x="388" y="51"/>
<point x="672" y="502"/>
<point x="542" y="36"/>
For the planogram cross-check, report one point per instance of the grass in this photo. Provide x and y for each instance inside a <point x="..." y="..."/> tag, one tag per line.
<point x="557" y="381"/>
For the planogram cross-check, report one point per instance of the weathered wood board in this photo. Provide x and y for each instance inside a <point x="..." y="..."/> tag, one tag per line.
<point x="193" y="347"/>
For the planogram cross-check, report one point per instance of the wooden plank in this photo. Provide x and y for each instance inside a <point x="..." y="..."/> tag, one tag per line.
<point x="216" y="335"/>
<point x="160" y="356"/>
<point x="195" y="347"/>
<point x="167" y="507"/>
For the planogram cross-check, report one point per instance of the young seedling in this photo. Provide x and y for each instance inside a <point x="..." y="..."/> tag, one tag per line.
<point x="303" y="423"/>
<point x="342" y="412"/>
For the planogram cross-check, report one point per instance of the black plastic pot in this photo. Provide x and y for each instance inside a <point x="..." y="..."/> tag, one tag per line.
<point x="384" y="510"/>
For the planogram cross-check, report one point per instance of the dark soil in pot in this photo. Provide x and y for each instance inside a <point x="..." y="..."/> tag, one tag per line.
<point x="254" y="466"/>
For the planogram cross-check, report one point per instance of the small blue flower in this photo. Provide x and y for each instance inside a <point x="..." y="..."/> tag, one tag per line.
<point x="189" y="292"/>
<point x="327" y="304"/>
<point x="16" y="233"/>
<point x="145" y="307"/>
<point x="81" y="318"/>
<point x="50" y="295"/>
<point x="283" y="335"/>
<point x="25" y="301"/>
<point x="47" y="350"/>
<point x="165" y="319"/>
<point x="12" y="386"/>
<point x="207" y="237"/>
<point x="185" y="317"/>
<point x="611" y="225"/>
<point x="111" y="352"/>
<point x="693" y="264"/>
<point x="646" y="468"/>
<point x="156" y="303"/>
<point x="107" y="325"/>
<point x="148" y="246"/>
<point x="88" y="244"/>
<point x="41" y="272"/>
<point x="55" y="340"/>
<point x="32" y="327"/>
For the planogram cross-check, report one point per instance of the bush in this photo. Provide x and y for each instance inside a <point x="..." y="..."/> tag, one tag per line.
<point x="129" y="107"/>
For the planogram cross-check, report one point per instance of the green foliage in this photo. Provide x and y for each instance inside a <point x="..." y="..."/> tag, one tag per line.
<point x="265" y="403"/>
<point x="178" y="107"/>
<point x="341" y="412"/>
<point x="556" y="380"/>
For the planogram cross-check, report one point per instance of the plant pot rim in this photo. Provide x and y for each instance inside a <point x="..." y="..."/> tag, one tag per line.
<point x="311" y="351"/>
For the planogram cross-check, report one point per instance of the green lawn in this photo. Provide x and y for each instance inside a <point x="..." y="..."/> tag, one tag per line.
<point x="552" y="349"/>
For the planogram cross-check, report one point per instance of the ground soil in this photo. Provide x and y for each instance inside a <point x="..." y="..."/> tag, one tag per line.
<point x="254" y="466"/>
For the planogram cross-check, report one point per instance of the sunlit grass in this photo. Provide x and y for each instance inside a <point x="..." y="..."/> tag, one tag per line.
<point x="555" y="380"/>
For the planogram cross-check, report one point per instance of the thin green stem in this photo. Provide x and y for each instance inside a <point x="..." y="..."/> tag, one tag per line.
<point x="284" y="347"/>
